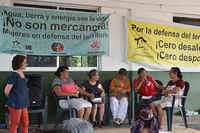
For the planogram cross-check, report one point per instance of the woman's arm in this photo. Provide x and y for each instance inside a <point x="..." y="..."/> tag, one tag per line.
<point x="127" y="88"/>
<point x="113" y="89"/>
<point x="59" y="92"/>
<point x="84" y="92"/>
<point x="174" y="91"/>
<point x="156" y="84"/>
<point x="138" y="86"/>
<point x="7" y="89"/>
<point x="159" y="86"/>
<point x="102" y="91"/>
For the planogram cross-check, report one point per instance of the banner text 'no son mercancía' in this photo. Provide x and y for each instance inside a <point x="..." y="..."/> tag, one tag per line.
<point x="51" y="33"/>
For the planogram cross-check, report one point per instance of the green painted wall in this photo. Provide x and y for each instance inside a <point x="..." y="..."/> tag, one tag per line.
<point x="192" y="103"/>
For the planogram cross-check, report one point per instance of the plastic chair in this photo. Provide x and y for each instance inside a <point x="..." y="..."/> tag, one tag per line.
<point x="60" y="111"/>
<point x="169" y="110"/>
<point x="108" y="113"/>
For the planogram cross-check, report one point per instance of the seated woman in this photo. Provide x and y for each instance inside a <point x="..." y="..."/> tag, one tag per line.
<point x="95" y="93"/>
<point x="119" y="88"/>
<point x="63" y="85"/>
<point x="144" y="85"/>
<point x="174" y="86"/>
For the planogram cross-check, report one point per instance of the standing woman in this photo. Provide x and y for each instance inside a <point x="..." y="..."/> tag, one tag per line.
<point x="93" y="89"/>
<point x="18" y="100"/>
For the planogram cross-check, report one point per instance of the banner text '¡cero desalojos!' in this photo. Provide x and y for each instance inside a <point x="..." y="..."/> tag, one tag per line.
<point x="55" y="27"/>
<point x="181" y="46"/>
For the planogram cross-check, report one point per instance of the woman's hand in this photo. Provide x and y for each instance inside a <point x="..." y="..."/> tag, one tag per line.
<point x="137" y="86"/>
<point x="124" y="91"/>
<point x="76" y="94"/>
<point x="102" y="94"/>
<point x="8" y="89"/>
<point x="91" y="96"/>
<point x="165" y="93"/>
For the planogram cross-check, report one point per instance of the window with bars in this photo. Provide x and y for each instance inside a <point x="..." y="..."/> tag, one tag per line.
<point x="54" y="61"/>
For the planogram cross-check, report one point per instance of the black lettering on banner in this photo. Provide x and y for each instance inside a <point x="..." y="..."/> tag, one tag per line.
<point x="195" y="36"/>
<point x="191" y="59"/>
<point x="167" y="56"/>
<point x="165" y="45"/>
<point x="186" y="35"/>
<point x="35" y="36"/>
<point x="27" y="21"/>
<point x="166" y="33"/>
<point x="35" y="26"/>
<point x="11" y="14"/>
<point x="28" y="25"/>
<point x="162" y="55"/>
<point x="75" y="27"/>
<point x="10" y="21"/>
<point x="138" y="29"/>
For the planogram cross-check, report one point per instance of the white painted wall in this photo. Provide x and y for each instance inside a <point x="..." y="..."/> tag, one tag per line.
<point x="153" y="9"/>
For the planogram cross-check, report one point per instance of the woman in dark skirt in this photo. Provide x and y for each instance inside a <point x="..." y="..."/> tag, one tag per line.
<point x="95" y="93"/>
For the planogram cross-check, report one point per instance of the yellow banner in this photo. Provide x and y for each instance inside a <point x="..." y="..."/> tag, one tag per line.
<point x="169" y="45"/>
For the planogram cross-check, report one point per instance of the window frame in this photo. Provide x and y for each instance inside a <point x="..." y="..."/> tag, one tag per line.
<point x="60" y="5"/>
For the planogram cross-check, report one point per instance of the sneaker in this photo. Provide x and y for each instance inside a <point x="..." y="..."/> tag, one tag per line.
<point x="94" y="123"/>
<point x="100" y="124"/>
<point x="116" y="124"/>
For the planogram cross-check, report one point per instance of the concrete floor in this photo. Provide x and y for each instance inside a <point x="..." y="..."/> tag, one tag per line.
<point x="193" y="128"/>
<point x="178" y="127"/>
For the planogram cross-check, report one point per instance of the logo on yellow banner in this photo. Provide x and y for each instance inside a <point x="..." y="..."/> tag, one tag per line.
<point x="163" y="44"/>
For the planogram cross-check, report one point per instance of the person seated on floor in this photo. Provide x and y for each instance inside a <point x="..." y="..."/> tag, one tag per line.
<point x="119" y="88"/>
<point x="174" y="86"/>
<point x="63" y="85"/>
<point x="145" y="86"/>
<point x="145" y="121"/>
<point x="95" y="93"/>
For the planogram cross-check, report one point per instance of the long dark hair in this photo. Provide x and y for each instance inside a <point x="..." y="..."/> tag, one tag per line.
<point x="61" y="69"/>
<point x="177" y="71"/>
